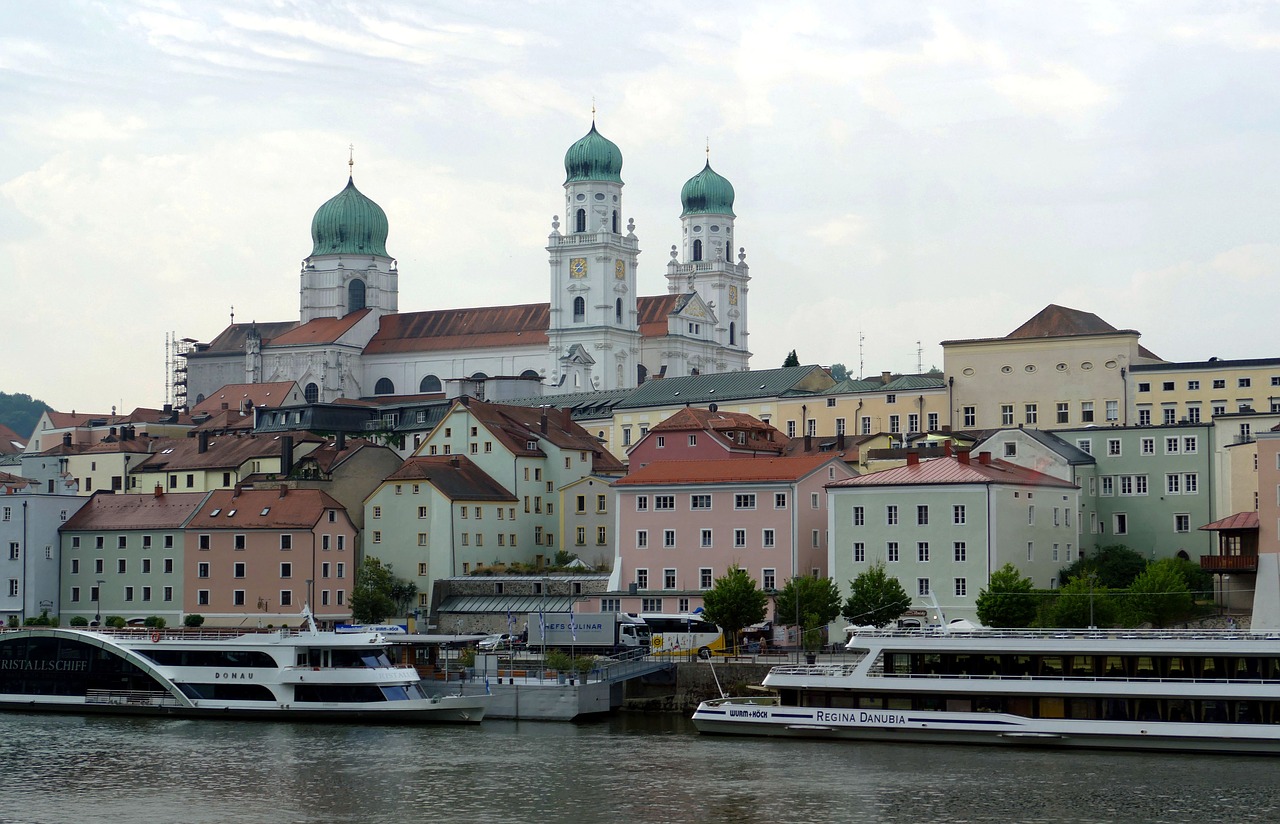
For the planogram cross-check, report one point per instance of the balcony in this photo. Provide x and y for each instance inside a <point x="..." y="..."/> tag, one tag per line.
<point x="1229" y="563"/>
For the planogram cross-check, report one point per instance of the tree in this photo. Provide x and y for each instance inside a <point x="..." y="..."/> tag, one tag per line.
<point x="1007" y="601"/>
<point x="1081" y="603"/>
<point x="876" y="598"/>
<point x="21" y="413"/>
<point x="1160" y="595"/>
<point x="735" y="602"/>
<point x="1115" y="565"/>
<point x="815" y="602"/>
<point x="792" y="359"/>
<point x="1198" y="580"/>
<point x="378" y="593"/>
<point x="838" y="371"/>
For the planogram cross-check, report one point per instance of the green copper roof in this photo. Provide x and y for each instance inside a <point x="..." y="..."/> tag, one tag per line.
<point x="594" y="157"/>
<point x="707" y="193"/>
<point x="349" y="223"/>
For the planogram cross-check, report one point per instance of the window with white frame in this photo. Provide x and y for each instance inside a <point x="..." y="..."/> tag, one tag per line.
<point x="642" y="503"/>
<point x="891" y="551"/>
<point x="922" y="515"/>
<point x="1190" y="483"/>
<point x="706" y="538"/>
<point x="960" y="551"/>
<point x="859" y="552"/>
<point x="859" y="516"/>
<point x="705" y="578"/>
<point x="699" y="501"/>
<point x="744" y="500"/>
<point x="664" y="502"/>
<point x="668" y="538"/>
<point x="767" y="538"/>
<point x="668" y="578"/>
<point x="779" y="500"/>
<point x="891" y="515"/>
<point x="739" y="538"/>
<point x="1173" y="484"/>
<point x="642" y="579"/>
<point x="768" y="579"/>
<point x="922" y="586"/>
<point x="1182" y="522"/>
<point x="962" y="587"/>
<point x="922" y="551"/>
<point x="1113" y="447"/>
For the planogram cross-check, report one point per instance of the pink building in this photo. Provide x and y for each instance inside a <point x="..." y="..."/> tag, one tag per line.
<point x="707" y="435"/>
<point x="682" y="524"/>
<point x="261" y="554"/>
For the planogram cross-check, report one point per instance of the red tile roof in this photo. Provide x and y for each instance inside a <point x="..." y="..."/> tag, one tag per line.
<point x="736" y="470"/>
<point x="516" y="426"/>
<point x="7" y="440"/>
<point x="1056" y="321"/>
<point x="953" y="470"/>
<point x="224" y="452"/>
<point x="320" y="330"/>
<point x="270" y="508"/>
<point x="257" y="394"/>
<point x="232" y="339"/>
<point x="652" y="314"/>
<point x="168" y="510"/>
<point x="1240" y="520"/>
<point x="455" y="476"/>
<point x="12" y="482"/>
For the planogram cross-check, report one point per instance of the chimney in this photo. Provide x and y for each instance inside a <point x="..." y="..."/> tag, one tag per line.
<point x="808" y="442"/>
<point x="159" y="491"/>
<point x="342" y="441"/>
<point x="963" y="456"/>
<point x="66" y="439"/>
<point x="913" y="458"/>
<point x="542" y="423"/>
<point x="984" y="458"/>
<point x="286" y="454"/>
<point x="840" y="442"/>
<point x="454" y="462"/>
<point x="946" y="448"/>
<point x="284" y="490"/>
<point x="886" y="377"/>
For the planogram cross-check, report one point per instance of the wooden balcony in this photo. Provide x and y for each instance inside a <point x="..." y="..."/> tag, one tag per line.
<point x="1229" y="563"/>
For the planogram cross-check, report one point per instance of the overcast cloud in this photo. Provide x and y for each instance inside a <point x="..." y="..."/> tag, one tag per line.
<point x="907" y="171"/>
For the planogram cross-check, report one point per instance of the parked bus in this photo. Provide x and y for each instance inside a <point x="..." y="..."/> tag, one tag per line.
<point x="687" y="634"/>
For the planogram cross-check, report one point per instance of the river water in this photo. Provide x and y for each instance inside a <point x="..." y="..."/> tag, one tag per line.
<point x="627" y="768"/>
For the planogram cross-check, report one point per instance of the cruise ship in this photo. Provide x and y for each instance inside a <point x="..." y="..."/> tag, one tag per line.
<point x="1150" y="690"/>
<point x="278" y="674"/>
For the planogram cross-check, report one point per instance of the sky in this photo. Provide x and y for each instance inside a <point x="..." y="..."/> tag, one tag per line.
<point x="906" y="172"/>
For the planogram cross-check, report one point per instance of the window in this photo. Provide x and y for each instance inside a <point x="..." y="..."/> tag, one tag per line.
<point x="581" y="535"/>
<point x="913" y="422"/>
<point x="168" y="566"/>
<point x="286" y="541"/>
<point x="1113" y="447"/>
<point x="958" y="514"/>
<point x="766" y="538"/>
<point x="922" y="515"/>
<point x="1031" y="550"/>
<point x="377" y="536"/>
<point x="895" y="425"/>
<point x="1244" y="383"/>
<point x="668" y="578"/>
<point x="202" y="569"/>
<point x="960" y="551"/>
<point x="238" y="569"/>
<point x="202" y="597"/>
<point x="891" y="515"/>
<point x="1064" y="413"/>
<point x="642" y="503"/>
<point x="1085" y="445"/>
<point x="840" y="426"/>
<point x="1171" y="446"/>
<point x="661" y="502"/>
<point x="1113" y="410"/>
<point x="791" y="429"/>
<point x="699" y="501"/>
<point x="642" y="578"/>
<point x="202" y="542"/>
<point x="642" y="539"/>
<point x="705" y="538"/>
<point x="168" y="593"/>
<point x="922" y="552"/>
<point x="1120" y="523"/>
<point x="744" y="501"/>
<point x="660" y="442"/>
<point x="779" y="500"/>
<point x="1144" y="416"/>
<point x="890" y="398"/>
<point x="768" y="579"/>
<point x="1108" y="485"/>
<point x="970" y="416"/>
<point x="1182" y="523"/>
<point x="601" y="504"/>
<point x="1173" y="484"/>
<point x="859" y="516"/>
<point x="1006" y="414"/>
<point x="962" y="587"/>
<point x="922" y="586"/>
<point x="816" y="540"/>
<point x="933" y="423"/>
<point x="1148" y="446"/>
<point x="859" y="552"/>
<point x="1190" y="445"/>
<point x="668" y="538"/>
<point x="739" y="538"/>
<point x="891" y="552"/>
<point x="1190" y="483"/>
<point x="1086" y="411"/>
<point x="815" y="501"/>
<point x="866" y="425"/>
<point x="286" y="597"/>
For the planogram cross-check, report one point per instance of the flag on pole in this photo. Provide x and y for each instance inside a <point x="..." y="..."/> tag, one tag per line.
<point x="511" y="622"/>
<point x="542" y="627"/>
<point x="573" y="627"/>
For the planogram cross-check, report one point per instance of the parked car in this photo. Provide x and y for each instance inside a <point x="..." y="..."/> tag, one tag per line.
<point x="502" y="640"/>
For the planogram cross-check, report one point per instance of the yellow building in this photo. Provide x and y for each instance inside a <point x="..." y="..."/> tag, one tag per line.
<point x="906" y="405"/>
<point x="1200" y="390"/>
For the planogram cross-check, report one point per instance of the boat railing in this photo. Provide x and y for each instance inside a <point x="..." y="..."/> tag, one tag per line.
<point x="131" y="698"/>
<point x="744" y="700"/>
<point x="827" y="670"/>
<point x="1083" y="634"/>
<point x="1104" y="679"/>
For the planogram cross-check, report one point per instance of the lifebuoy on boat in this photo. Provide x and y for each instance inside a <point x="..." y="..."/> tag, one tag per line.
<point x="155" y="637"/>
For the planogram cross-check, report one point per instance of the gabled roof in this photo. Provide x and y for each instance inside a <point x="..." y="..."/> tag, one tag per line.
<point x="454" y="476"/>
<point x="1073" y="455"/>
<point x="729" y="386"/>
<point x="952" y="470"/>
<point x="270" y="508"/>
<point x="1055" y="321"/>
<point x="740" y="470"/>
<point x="66" y="420"/>
<point x="10" y="482"/>
<point x="168" y="510"/>
<point x="232" y="339"/>
<point x="652" y="313"/>
<point x="233" y="395"/>
<point x="517" y="426"/>
<point x="114" y="446"/>
<point x="10" y="442"/>
<point x="702" y="420"/>
<point x="327" y="457"/>
<point x="1240" y="520"/>
<point x="320" y="330"/>
<point x="224" y="452"/>
<point x="906" y="383"/>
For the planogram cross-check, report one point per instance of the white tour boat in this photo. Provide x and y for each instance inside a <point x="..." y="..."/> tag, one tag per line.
<point x="1179" y="690"/>
<point x="279" y="674"/>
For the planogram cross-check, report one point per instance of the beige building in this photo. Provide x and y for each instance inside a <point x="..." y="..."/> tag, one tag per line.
<point x="1195" y="391"/>
<point x="1062" y="368"/>
<point x="905" y="405"/>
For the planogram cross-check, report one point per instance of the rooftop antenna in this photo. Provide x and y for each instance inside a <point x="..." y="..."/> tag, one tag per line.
<point x="351" y="160"/>
<point x="919" y="359"/>
<point x="233" y="316"/>
<point x="861" y="365"/>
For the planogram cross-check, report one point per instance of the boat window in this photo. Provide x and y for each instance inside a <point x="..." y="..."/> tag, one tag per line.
<point x="228" y="691"/>
<point x="1113" y="667"/>
<point x="1051" y="665"/>
<point x="870" y="702"/>
<point x="338" y="693"/>
<point x="1146" y="668"/>
<point x="1082" y="665"/>
<point x="1051" y="707"/>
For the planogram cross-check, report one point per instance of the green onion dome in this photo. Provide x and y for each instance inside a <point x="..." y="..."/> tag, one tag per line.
<point x="349" y="223"/>
<point x="594" y="157"/>
<point x="707" y="193"/>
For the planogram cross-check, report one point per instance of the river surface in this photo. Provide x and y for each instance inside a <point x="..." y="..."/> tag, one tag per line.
<point x="628" y="768"/>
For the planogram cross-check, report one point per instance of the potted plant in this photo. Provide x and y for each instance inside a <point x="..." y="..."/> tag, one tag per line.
<point x="811" y="638"/>
<point x="558" y="660"/>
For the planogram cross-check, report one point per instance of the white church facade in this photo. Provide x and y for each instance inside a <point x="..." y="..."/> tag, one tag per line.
<point x="595" y="332"/>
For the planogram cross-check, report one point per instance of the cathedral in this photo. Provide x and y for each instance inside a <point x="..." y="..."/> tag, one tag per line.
<point x="595" y="333"/>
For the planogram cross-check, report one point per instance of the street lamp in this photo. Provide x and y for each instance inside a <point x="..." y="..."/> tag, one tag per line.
<point x="1226" y="593"/>
<point x="97" y="603"/>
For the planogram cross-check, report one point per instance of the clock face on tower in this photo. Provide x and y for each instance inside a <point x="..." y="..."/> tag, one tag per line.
<point x="620" y="270"/>
<point x="578" y="268"/>
<point x="733" y="295"/>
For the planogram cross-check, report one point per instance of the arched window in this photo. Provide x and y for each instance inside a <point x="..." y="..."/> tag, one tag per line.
<point x="384" y="386"/>
<point x="311" y="393"/>
<point x="430" y="383"/>
<point x="697" y="250"/>
<point x="199" y="398"/>
<point x="615" y="221"/>
<point x="728" y="250"/>
<point x="617" y="310"/>
<point x="733" y="333"/>
<point x="531" y="373"/>
<point x="579" y="309"/>
<point x="580" y="222"/>
<point x="355" y="295"/>
<point x="642" y="373"/>
<point x="479" y="376"/>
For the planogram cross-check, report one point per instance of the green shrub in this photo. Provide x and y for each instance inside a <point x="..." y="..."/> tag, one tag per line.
<point x="558" y="660"/>
<point x="584" y="665"/>
<point x="467" y="657"/>
<point x="155" y="622"/>
<point x="193" y="621"/>
<point x="115" y="622"/>
<point x="79" y="621"/>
